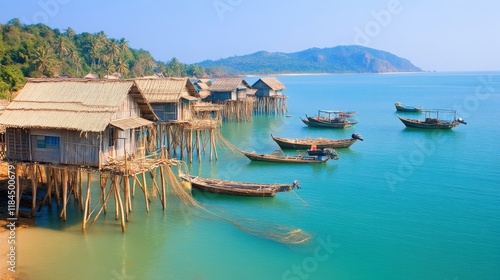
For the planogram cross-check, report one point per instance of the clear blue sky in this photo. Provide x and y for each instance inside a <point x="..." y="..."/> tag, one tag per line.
<point x="435" y="35"/>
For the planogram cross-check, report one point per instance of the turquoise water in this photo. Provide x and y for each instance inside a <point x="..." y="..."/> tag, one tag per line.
<point x="403" y="204"/>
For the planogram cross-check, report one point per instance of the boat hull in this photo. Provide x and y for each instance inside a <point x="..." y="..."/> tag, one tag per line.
<point x="422" y="124"/>
<point x="402" y="108"/>
<point x="236" y="188"/>
<point x="288" y="159"/>
<point x="310" y="121"/>
<point x="321" y="143"/>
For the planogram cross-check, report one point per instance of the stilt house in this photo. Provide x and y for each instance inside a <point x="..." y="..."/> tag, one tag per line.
<point x="170" y="98"/>
<point x="234" y="89"/>
<point x="83" y="122"/>
<point x="268" y="87"/>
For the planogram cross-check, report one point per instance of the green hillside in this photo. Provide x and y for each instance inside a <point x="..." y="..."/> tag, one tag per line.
<point x="39" y="51"/>
<point x="340" y="59"/>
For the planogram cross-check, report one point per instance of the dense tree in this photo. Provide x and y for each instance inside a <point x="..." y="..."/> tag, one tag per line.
<point x="11" y="80"/>
<point x="36" y="50"/>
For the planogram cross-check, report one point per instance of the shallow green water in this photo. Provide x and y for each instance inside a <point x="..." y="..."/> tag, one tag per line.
<point x="403" y="204"/>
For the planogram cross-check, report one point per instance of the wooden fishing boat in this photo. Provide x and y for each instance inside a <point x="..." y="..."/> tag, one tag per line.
<point x="321" y="143"/>
<point x="325" y="155"/>
<point x="406" y="108"/>
<point x="433" y="120"/>
<point x="238" y="188"/>
<point x="331" y="119"/>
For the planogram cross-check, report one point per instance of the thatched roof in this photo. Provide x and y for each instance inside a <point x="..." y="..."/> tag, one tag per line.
<point x="228" y="84"/>
<point x="86" y="105"/>
<point x="202" y="85"/>
<point x="91" y="76"/>
<point x="272" y="83"/>
<point x="163" y="90"/>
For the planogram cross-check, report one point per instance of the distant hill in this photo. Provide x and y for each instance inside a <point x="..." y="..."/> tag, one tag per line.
<point x="340" y="59"/>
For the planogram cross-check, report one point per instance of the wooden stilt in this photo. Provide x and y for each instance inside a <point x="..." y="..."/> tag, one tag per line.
<point x="155" y="185"/>
<point x="198" y="143"/>
<point x="64" y="194"/>
<point x="212" y="140"/>
<point x="48" y="195"/>
<point x="103" y="183"/>
<point x="126" y="192"/>
<point x="145" y="189"/>
<point x="133" y="188"/>
<point x="57" y="178"/>
<point x="113" y="186"/>
<point x="103" y="206"/>
<point x="119" y="202"/>
<point x="50" y="180"/>
<point x="190" y="145"/>
<point x="87" y="202"/>
<point x="211" y="137"/>
<point x="34" y="185"/>
<point x="163" y="192"/>
<point x="80" y="188"/>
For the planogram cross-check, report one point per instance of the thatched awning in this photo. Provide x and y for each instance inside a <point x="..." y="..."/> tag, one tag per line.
<point x="129" y="123"/>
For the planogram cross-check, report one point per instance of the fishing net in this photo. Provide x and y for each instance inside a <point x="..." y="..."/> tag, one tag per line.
<point x="279" y="233"/>
<point x="223" y="143"/>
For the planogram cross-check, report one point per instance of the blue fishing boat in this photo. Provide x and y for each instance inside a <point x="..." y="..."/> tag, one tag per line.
<point x="331" y="119"/>
<point x="434" y="120"/>
<point x="406" y="108"/>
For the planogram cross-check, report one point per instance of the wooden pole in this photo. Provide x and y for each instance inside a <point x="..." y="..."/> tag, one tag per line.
<point x="64" y="193"/>
<point x="87" y="202"/>
<point x="213" y="145"/>
<point x="49" y="191"/>
<point x="103" y="205"/>
<point x="103" y="182"/>
<point x="133" y="188"/>
<point x="113" y="186"/>
<point x="163" y="192"/>
<point x="120" y="203"/>
<point x="153" y="179"/>
<point x="34" y="184"/>
<point x="80" y="187"/>
<point x="210" y="144"/>
<point x="198" y="143"/>
<point x="50" y="179"/>
<point x="57" y="178"/>
<point x="126" y="191"/>
<point x="145" y="189"/>
<point x="190" y="145"/>
<point x="126" y="187"/>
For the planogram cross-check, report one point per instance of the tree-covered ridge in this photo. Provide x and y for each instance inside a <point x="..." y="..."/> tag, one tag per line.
<point x="36" y="50"/>
<point x="340" y="59"/>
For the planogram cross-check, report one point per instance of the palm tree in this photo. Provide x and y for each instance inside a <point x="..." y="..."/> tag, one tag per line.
<point x="98" y="43"/>
<point x="44" y="60"/>
<point x="75" y="57"/>
<point x="123" y="45"/>
<point x="122" y="67"/>
<point x="108" y="67"/>
<point x="62" y="47"/>
<point x="113" y="49"/>
<point x="70" y="32"/>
